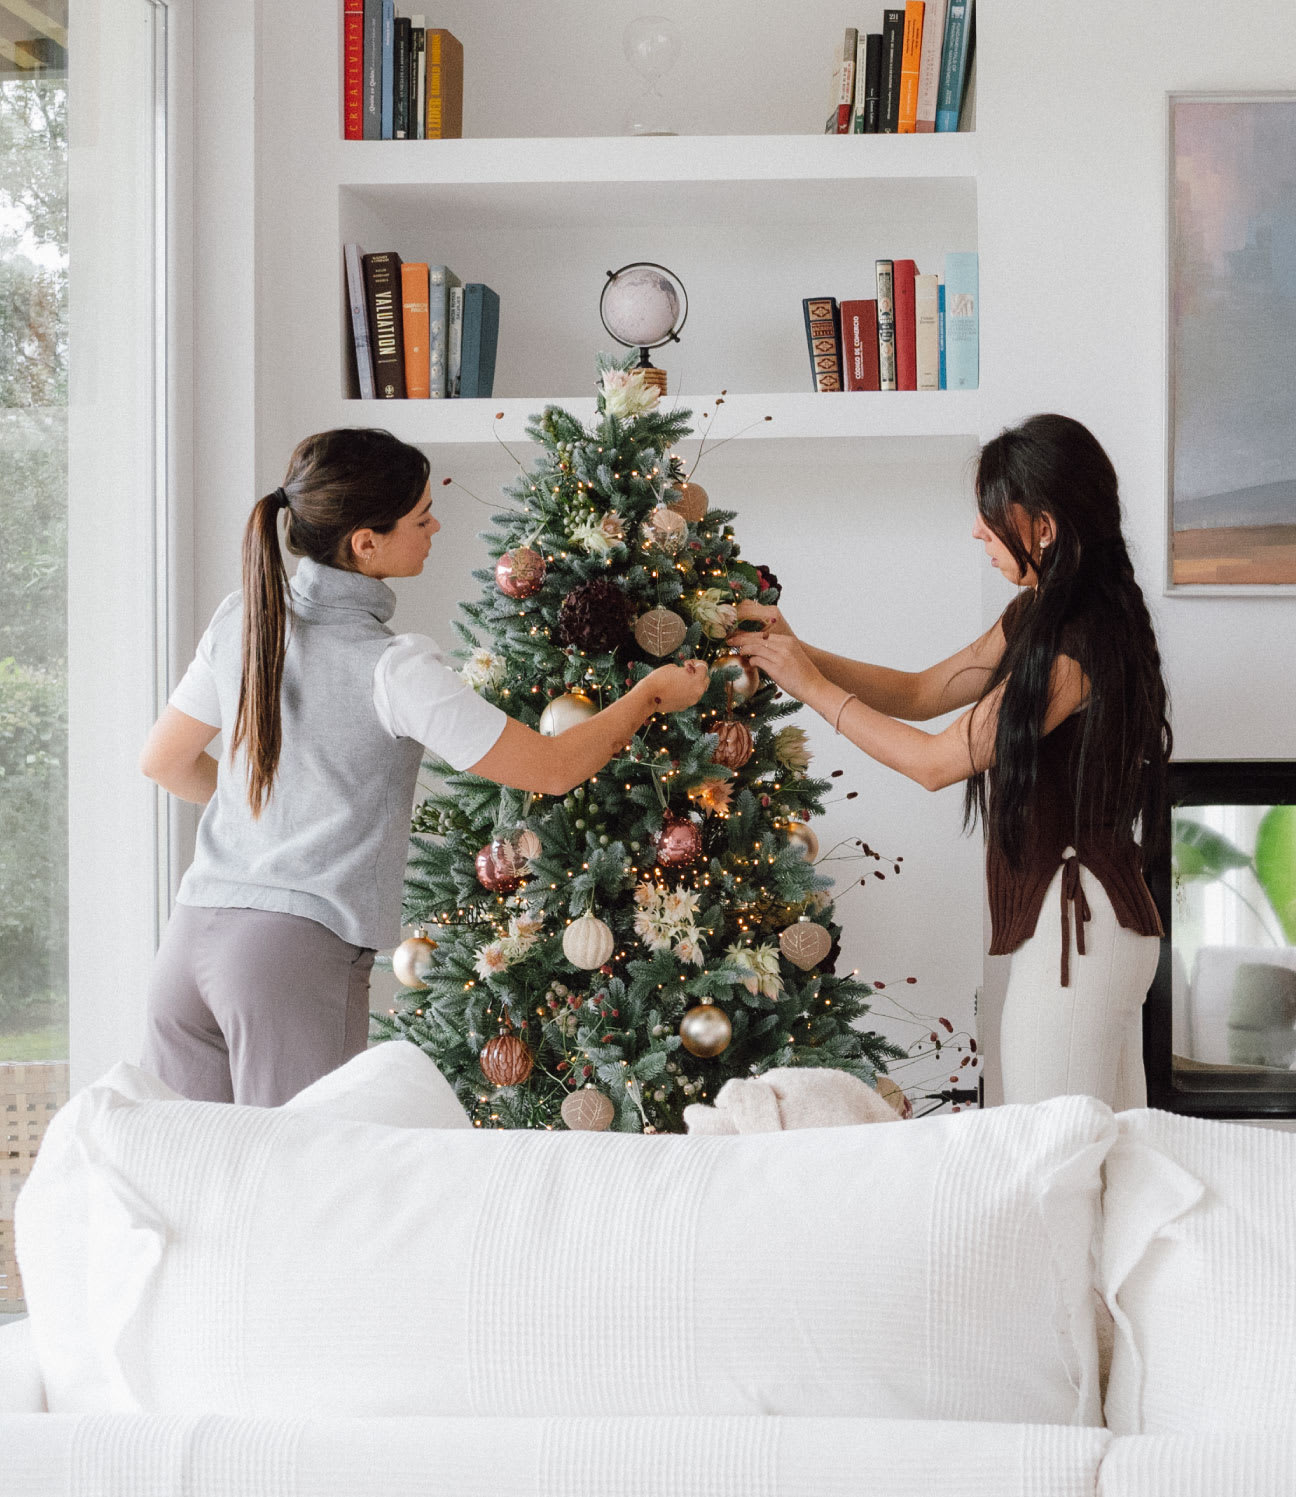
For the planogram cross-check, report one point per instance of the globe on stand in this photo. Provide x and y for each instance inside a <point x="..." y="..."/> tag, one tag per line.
<point x="643" y="306"/>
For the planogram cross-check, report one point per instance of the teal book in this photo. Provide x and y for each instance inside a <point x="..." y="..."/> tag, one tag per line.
<point x="959" y="23"/>
<point x="940" y="324"/>
<point x="962" y="322"/>
<point x="480" y="336"/>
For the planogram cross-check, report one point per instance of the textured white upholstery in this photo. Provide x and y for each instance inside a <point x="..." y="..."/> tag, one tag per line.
<point x="21" y="1388"/>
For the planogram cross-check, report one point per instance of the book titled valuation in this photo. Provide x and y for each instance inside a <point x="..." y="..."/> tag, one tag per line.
<point x="386" y="319"/>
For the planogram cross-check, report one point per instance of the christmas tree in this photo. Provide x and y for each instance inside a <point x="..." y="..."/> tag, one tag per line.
<point x="627" y="948"/>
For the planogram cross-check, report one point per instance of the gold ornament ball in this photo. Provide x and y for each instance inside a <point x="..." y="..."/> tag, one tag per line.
<point x="705" y="1031"/>
<point x="734" y="745"/>
<point x="588" y="943"/>
<point x="565" y="712"/>
<point x="505" y="1060"/>
<point x="664" y="530"/>
<point x="520" y="572"/>
<point x="689" y="500"/>
<point x="805" y="944"/>
<point x="412" y="960"/>
<point x="660" y="632"/>
<point x="802" y="836"/>
<point x="746" y="683"/>
<point x="588" y="1111"/>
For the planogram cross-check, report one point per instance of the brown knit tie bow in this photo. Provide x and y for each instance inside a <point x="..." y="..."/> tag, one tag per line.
<point x="1072" y="894"/>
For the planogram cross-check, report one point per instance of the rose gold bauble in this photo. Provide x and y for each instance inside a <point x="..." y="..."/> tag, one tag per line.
<point x="679" y="842"/>
<point x="705" y="1031"/>
<point x="565" y="712"/>
<point x="497" y="867"/>
<point x="689" y="500"/>
<point x="664" y="530"/>
<point x="520" y="572"/>
<point x="734" y="745"/>
<point x="747" y="682"/>
<point x="412" y="960"/>
<point x="805" y="944"/>
<point x="588" y="1111"/>
<point x="803" y="838"/>
<point x="505" y="1060"/>
<point x="660" y="632"/>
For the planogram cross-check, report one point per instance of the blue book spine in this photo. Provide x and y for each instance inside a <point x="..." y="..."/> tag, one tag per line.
<point x="373" y="69"/>
<point x="388" y="65"/>
<point x="480" y="337"/>
<point x="962" y="322"/>
<point x="940" y="326"/>
<point x="953" y="68"/>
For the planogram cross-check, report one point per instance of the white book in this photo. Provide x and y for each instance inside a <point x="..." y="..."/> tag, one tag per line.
<point x="929" y="65"/>
<point x="359" y="322"/>
<point x="454" y="352"/>
<point x="927" y="319"/>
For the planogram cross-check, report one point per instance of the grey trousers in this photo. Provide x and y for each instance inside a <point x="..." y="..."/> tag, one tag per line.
<point x="250" y="1006"/>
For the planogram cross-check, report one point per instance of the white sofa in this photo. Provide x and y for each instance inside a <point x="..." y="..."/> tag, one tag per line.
<point x="358" y="1294"/>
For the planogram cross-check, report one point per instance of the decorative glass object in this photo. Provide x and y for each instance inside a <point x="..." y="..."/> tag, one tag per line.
<point x="652" y="48"/>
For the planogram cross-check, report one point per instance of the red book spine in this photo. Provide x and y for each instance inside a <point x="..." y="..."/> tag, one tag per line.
<point x="860" y="344"/>
<point x="353" y="70"/>
<point x="906" y="319"/>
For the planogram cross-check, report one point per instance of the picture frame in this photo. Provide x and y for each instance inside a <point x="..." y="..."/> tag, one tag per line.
<point x="1231" y="329"/>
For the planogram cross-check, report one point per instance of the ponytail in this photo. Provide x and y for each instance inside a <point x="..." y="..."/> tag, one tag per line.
<point x="258" y="723"/>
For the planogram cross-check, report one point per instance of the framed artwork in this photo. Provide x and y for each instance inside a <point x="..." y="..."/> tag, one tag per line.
<point x="1232" y="342"/>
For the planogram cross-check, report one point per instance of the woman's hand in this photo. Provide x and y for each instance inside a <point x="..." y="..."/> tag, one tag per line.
<point x="784" y="660"/>
<point x="771" y="618"/>
<point x="675" y="687"/>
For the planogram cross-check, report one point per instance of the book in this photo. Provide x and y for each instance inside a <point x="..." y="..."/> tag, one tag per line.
<point x="903" y="275"/>
<point x="962" y="322"/>
<point x="954" y="57"/>
<point x="373" y="69"/>
<point x="929" y="65"/>
<point x="358" y="303"/>
<point x="861" y="67"/>
<point x="842" y="102"/>
<point x="823" y="337"/>
<point x="860" y="344"/>
<point x="940" y="315"/>
<point x="419" y="101"/>
<point x="386" y="333"/>
<point x="414" y="324"/>
<point x="454" y="352"/>
<point x="480" y="336"/>
<point x="927" y="330"/>
<point x="892" y="56"/>
<point x="884" y="271"/>
<point x="353" y="70"/>
<point x="910" y="57"/>
<point x="868" y="113"/>
<point x="440" y="280"/>
<point x="967" y="110"/>
<point x="444" y="113"/>
<point x="400" y="79"/>
<point x="388" y="65"/>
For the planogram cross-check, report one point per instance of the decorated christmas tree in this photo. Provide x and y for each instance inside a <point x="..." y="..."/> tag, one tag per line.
<point x="607" y="957"/>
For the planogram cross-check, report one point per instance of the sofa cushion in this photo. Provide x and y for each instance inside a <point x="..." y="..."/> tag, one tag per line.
<point x="1239" y="1463"/>
<point x="213" y="1456"/>
<point x="279" y="1262"/>
<point x="1198" y="1266"/>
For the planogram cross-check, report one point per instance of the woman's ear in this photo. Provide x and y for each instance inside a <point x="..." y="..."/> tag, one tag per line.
<point x="363" y="543"/>
<point x="1045" y="530"/>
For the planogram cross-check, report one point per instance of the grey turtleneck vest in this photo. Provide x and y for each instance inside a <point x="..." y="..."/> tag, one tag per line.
<point x="332" y="840"/>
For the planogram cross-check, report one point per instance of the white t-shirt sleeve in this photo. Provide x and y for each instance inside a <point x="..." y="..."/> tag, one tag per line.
<point x="417" y="695"/>
<point x="196" y="695"/>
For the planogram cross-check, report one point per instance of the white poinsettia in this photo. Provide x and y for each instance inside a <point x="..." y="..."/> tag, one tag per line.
<point x="664" y="921"/>
<point x="492" y="959"/>
<point x="593" y="536"/>
<point x="482" y="669"/>
<point x="791" y="748"/>
<point x="689" y="949"/>
<point x="761" y="963"/>
<point x="708" y="607"/>
<point x="625" y="393"/>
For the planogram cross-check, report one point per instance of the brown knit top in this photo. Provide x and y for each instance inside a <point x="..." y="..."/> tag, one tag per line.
<point x="1109" y="852"/>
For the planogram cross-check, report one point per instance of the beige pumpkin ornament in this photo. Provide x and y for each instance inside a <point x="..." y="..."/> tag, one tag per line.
<point x="660" y="632"/>
<point x="588" y="1111"/>
<point x="588" y="943"/>
<point x="805" y="944"/>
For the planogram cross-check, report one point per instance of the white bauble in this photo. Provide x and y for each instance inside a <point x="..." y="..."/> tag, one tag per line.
<point x="587" y="943"/>
<point x="641" y="307"/>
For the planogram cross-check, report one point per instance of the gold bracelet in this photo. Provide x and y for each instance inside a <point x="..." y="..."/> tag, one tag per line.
<point x="849" y="697"/>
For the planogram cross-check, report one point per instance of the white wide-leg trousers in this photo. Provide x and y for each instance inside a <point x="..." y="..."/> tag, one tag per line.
<point x="1086" y="1038"/>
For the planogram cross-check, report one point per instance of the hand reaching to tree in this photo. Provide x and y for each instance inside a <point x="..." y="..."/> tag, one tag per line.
<point x="771" y="618"/>
<point x="675" y="687"/>
<point x="783" y="659"/>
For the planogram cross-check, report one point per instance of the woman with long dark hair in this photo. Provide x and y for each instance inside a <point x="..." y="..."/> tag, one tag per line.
<point x="261" y="983"/>
<point x="1063" y="750"/>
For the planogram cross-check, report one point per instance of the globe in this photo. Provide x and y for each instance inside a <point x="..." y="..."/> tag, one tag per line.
<point x="641" y="307"/>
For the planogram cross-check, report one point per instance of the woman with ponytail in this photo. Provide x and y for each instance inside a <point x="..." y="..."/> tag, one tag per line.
<point x="261" y="983"/>
<point x="1063" y="750"/>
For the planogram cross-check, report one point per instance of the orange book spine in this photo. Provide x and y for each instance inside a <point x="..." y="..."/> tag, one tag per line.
<point x="910" y="64"/>
<point x="443" y="118"/>
<point x="414" y="318"/>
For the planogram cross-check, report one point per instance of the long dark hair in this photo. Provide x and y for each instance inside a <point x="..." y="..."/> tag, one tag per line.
<point x="1052" y="465"/>
<point x="338" y="482"/>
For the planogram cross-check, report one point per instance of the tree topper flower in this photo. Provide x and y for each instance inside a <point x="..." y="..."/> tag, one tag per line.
<point x="482" y="669"/>
<point x="625" y="393"/>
